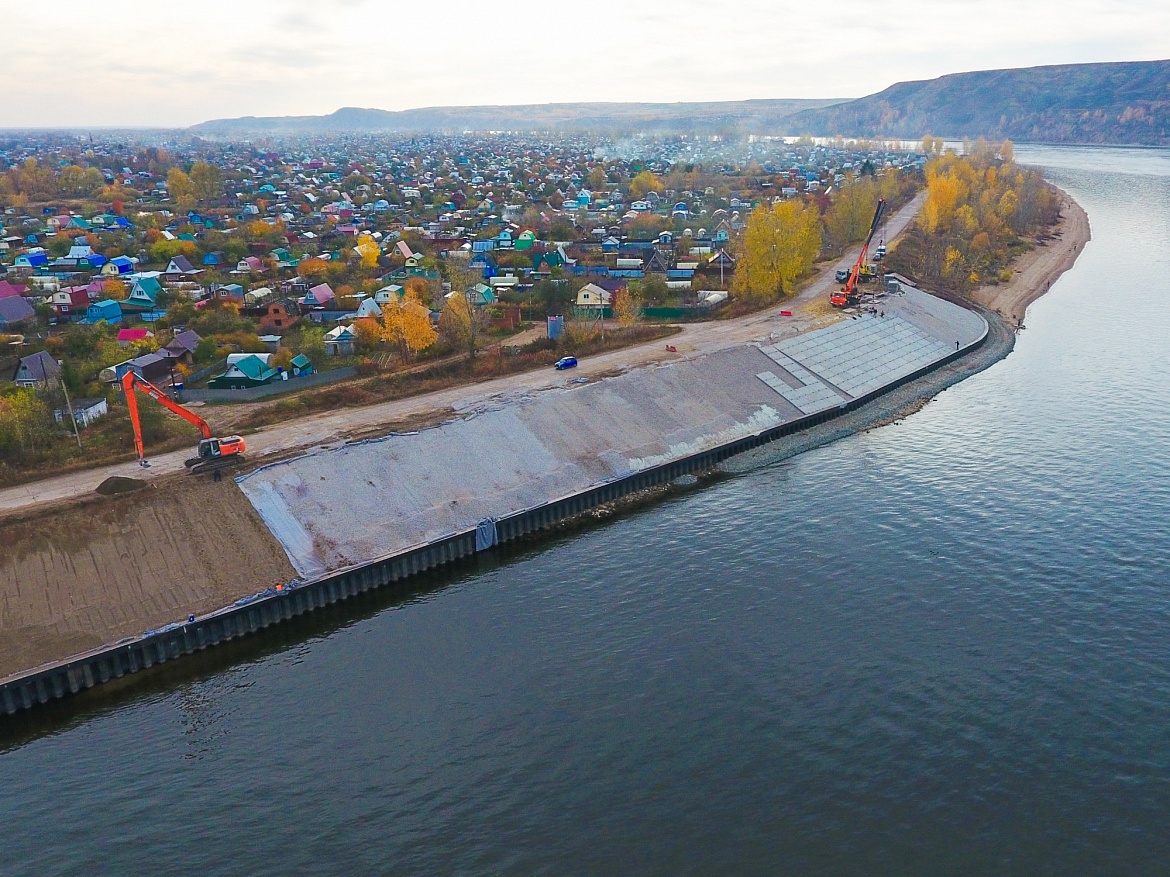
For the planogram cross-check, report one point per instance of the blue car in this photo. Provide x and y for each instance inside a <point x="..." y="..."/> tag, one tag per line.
<point x="566" y="362"/>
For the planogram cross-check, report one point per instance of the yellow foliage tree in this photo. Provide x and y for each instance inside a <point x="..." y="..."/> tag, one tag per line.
<point x="206" y="181"/>
<point x="116" y="289"/>
<point x="848" y="218"/>
<point x="369" y="251"/>
<point x="625" y="308"/>
<point x="644" y="182"/>
<point x="780" y="243"/>
<point x="181" y="189"/>
<point x="368" y="333"/>
<point x="407" y="324"/>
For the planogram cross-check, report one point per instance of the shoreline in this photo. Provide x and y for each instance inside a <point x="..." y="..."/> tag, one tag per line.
<point x="1034" y="272"/>
<point x="1033" y="279"/>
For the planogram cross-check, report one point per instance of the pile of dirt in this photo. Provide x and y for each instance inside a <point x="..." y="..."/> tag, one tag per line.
<point x="75" y="578"/>
<point x="116" y="484"/>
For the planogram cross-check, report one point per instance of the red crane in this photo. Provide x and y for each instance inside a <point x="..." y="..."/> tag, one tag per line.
<point x="848" y="294"/>
<point x="213" y="453"/>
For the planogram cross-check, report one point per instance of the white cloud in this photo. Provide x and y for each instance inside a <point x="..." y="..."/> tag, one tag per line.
<point x="129" y="62"/>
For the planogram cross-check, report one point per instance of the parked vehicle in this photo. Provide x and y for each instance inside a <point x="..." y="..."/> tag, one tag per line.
<point x="842" y="275"/>
<point x="566" y="362"/>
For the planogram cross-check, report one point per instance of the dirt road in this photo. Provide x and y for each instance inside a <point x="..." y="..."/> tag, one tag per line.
<point x="809" y="309"/>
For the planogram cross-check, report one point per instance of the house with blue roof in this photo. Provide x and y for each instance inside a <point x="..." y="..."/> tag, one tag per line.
<point x="117" y="266"/>
<point x="32" y="259"/>
<point x="108" y="310"/>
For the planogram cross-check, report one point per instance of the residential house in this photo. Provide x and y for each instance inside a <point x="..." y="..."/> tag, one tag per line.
<point x="15" y="310"/>
<point x="300" y="366"/>
<point x="70" y="301"/>
<point x="481" y="294"/>
<point x="390" y="293"/>
<point x="36" y="370"/>
<point x="367" y="308"/>
<point x="250" y="265"/>
<point x="318" y="296"/>
<point x="7" y="290"/>
<point x="341" y="341"/>
<point x="215" y="260"/>
<point x="180" y="266"/>
<point x="37" y="258"/>
<point x="278" y="317"/>
<point x="126" y="337"/>
<point x="144" y="293"/>
<point x="182" y="346"/>
<point x="153" y="367"/>
<point x="593" y="296"/>
<point x="85" y="412"/>
<point x="108" y="310"/>
<point x="118" y="265"/>
<point x="249" y="371"/>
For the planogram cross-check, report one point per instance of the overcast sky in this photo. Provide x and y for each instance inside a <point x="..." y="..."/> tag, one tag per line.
<point x="129" y="62"/>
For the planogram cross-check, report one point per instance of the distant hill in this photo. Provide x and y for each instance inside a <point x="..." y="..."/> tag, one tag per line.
<point x="711" y="117"/>
<point x="1122" y="103"/>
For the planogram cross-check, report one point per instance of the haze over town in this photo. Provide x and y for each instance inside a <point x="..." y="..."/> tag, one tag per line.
<point x="147" y="64"/>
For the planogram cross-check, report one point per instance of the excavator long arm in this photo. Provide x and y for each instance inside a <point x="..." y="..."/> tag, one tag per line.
<point x="132" y="382"/>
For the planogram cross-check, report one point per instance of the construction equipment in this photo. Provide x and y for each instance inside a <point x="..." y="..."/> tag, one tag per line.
<point x="848" y="295"/>
<point x="214" y="453"/>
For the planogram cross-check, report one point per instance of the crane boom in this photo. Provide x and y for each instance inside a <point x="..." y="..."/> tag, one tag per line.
<point x="848" y="293"/>
<point x="210" y="449"/>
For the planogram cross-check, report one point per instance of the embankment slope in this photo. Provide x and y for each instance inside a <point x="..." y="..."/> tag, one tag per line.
<point x="91" y="574"/>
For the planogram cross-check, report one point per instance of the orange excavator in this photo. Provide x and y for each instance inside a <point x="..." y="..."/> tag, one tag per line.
<point x="848" y="295"/>
<point x="214" y="453"/>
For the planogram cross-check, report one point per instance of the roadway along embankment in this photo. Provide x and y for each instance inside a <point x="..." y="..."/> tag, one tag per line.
<point x="362" y="515"/>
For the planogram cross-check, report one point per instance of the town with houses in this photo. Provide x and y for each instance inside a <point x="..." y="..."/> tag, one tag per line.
<point x="208" y="267"/>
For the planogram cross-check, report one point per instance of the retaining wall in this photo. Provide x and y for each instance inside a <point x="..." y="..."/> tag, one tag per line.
<point x="251" y="614"/>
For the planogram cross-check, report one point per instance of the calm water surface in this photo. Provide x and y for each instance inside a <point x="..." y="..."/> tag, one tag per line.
<point x="942" y="647"/>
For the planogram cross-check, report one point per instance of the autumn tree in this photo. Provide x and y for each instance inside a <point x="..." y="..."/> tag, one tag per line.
<point x="368" y="333"/>
<point x="644" y="182"/>
<point x="780" y="243"/>
<point x="116" y="289"/>
<point x="625" y="308"/>
<point x="369" y="251"/>
<point x="849" y="216"/>
<point x="206" y="181"/>
<point x="181" y="189"/>
<point x="406" y="323"/>
<point x="461" y="322"/>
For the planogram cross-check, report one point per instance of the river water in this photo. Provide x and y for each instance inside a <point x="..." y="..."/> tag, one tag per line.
<point x="941" y="647"/>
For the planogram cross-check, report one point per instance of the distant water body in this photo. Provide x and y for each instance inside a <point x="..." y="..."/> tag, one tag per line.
<point x="941" y="647"/>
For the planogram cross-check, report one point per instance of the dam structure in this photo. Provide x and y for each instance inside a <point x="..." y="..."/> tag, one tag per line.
<point x="361" y="515"/>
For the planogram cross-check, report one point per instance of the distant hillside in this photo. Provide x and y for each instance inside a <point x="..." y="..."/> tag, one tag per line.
<point x="712" y="117"/>
<point x="1123" y="103"/>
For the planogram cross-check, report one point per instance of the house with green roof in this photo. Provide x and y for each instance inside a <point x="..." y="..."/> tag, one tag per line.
<point x="251" y="371"/>
<point x="144" y="293"/>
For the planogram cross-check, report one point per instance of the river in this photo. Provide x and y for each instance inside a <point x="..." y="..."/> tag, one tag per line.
<point x="940" y="647"/>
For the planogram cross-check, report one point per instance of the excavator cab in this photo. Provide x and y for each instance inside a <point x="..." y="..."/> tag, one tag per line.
<point x="208" y="449"/>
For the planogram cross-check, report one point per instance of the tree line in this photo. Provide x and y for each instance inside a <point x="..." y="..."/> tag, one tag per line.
<point x="980" y="209"/>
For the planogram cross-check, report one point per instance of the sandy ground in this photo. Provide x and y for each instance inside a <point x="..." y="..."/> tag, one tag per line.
<point x="1036" y="271"/>
<point x="117" y="566"/>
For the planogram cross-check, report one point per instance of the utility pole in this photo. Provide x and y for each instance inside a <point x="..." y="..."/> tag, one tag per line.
<point x="72" y="416"/>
